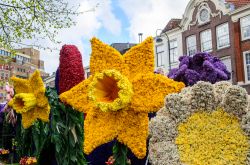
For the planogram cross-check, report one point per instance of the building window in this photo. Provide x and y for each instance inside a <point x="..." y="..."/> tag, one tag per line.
<point x="246" y="56"/>
<point x="206" y="41"/>
<point x="227" y="62"/>
<point x="191" y="45"/>
<point x="222" y="33"/>
<point x="159" y="55"/>
<point x="245" y="27"/>
<point x="173" y="51"/>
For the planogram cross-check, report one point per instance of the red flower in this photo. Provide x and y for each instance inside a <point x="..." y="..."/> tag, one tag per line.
<point x="71" y="68"/>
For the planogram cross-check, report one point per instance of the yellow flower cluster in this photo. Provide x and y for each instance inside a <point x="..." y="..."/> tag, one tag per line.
<point x="31" y="160"/>
<point x="110" y="90"/>
<point x="4" y="152"/>
<point x="119" y="96"/>
<point x="205" y="137"/>
<point x="30" y="99"/>
<point x="28" y="161"/>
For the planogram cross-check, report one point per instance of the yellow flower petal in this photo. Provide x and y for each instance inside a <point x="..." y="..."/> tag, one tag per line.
<point x="105" y="57"/>
<point x="35" y="81"/>
<point x="99" y="128"/>
<point x="134" y="131"/>
<point x="77" y="96"/>
<point x="140" y="58"/>
<point x="43" y="113"/>
<point x="21" y="85"/>
<point x="150" y="91"/>
<point x="28" y="118"/>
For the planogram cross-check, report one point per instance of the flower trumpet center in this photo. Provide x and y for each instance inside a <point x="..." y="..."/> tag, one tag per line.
<point x="110" y="90"/>
<point x="106" y="89"/>
<point x="24" y="102"/>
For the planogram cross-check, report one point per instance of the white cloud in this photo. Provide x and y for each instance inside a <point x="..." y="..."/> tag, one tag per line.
<point x="146" y="16"/>
<point x="88" y="24"/>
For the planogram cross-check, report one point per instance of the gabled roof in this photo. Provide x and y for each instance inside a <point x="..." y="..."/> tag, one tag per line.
<point x="122" y="47"/>
<point x="172" y="24"/>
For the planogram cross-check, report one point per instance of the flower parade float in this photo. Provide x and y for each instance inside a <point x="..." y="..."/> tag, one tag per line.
<point x="203" y="124"/>
<point x="200" y="67"/>
<point x="118" y="97"/>
<point x="66" y="123"/>
<point x="56" y="137"/>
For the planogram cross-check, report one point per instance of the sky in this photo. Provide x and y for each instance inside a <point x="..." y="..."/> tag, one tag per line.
<point x="113" y="21"/>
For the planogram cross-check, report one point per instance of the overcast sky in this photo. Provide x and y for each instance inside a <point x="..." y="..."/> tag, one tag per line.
<point x="114" y="21"/>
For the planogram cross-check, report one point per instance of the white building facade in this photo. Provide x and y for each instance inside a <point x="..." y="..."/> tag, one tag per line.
<point x="168" y="51"/>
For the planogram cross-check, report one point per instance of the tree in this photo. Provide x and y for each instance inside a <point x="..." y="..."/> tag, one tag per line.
<point x="27" y="19"/>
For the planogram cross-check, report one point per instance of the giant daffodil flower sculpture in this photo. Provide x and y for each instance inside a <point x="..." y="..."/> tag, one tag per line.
<point x="119" y="96"/>
<point x="30" y="99"/>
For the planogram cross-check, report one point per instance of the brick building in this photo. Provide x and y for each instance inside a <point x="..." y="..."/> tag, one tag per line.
<point x="241" y="25"/>
<point x="221" y="28"/>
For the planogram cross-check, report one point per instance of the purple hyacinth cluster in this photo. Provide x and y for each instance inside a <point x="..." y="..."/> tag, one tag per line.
<point x="200" y="67"/>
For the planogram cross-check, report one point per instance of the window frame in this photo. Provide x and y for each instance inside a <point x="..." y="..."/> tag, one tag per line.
<point x="245" y="66"/>
<point x="202" y="43"/>
<point x="195" y="45"/>
<point x="217" y="36"/>
<point x="241" y="28"/>
<point x="174" y="48"/>
<point x="161" y="53"/>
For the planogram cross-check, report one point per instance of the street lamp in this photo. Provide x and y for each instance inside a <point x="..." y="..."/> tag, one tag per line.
<point x="158" y="39"/>
<point x="140" y="37"/>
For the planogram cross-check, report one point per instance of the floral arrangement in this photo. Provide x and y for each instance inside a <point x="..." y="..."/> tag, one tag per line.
<point x="4" y="151"/>
<point x="116" y="96"/>
<point x="70" y="70"/>
<point x="28" y="161"/>
<point x="30" y="99"/>
<point x="200" y="67"/>
<point x="204" y="124"/>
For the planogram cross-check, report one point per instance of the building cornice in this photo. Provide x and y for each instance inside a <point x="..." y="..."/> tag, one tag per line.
<point x="245" y="7"/>
<point x="240" y="12"/>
